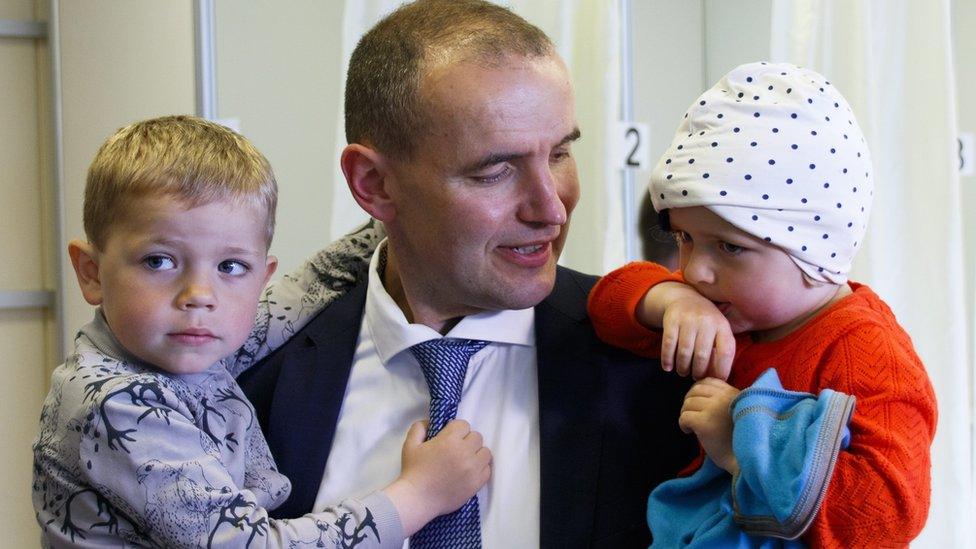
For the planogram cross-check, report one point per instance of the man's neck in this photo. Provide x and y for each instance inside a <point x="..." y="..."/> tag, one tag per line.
<point x="415" y="311"/>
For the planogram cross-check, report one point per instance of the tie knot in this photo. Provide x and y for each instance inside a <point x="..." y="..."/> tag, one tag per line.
<point x="444" y="363"/>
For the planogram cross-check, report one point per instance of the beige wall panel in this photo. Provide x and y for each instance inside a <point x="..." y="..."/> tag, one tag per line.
<point x="20" y="209"/>
<point x="121" y="61"/>
<point x="278" y="73"/>
<point x="21" y="394"/>
<point x="18" y="10"/>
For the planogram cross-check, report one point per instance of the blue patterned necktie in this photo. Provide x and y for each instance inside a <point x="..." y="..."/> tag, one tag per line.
<point x="445" y="363"/>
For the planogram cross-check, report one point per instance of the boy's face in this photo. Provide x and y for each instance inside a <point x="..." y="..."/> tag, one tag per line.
<point x="179" y="287"/>
<point x="756" y="285"/>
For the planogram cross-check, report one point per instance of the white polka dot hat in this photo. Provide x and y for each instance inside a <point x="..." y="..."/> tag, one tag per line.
<point x="774" y="150"/>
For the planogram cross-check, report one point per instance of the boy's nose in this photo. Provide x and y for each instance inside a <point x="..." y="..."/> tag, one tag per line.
<point x="197" y="295"/>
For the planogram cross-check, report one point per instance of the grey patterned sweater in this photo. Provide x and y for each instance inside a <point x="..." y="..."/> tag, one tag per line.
<point x="131" y="456"/>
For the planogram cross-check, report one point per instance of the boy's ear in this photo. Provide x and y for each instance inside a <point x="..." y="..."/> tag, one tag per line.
<point x="367" y="173"/>
<point x="84" y="258"/>
<point x="270" y="267"/>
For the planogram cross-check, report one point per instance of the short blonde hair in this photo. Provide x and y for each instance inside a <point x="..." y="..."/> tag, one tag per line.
<point x="191" y="159"/>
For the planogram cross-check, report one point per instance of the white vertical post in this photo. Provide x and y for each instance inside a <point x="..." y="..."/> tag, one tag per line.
<point x="626" y="115"/>
<point x="206" y="59"/>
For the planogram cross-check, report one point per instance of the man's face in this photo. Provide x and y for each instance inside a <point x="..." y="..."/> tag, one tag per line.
<point x="482" y="205"/>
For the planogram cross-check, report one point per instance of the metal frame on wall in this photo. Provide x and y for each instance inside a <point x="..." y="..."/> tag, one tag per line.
<point x="44" y="299"/>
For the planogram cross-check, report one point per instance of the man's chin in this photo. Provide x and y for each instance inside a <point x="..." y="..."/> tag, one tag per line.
<point x="528" y="293"/>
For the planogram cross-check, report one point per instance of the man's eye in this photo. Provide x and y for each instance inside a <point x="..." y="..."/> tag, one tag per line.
<point x="494" y="176"/>
<point x="232" y="267"/>
<point x="159" y="263"/>
<point x="729" y="248"/>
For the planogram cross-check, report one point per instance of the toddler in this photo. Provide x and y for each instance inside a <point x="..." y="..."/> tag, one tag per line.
<point x="145" y="437"/>
<point x="767" y="188"/>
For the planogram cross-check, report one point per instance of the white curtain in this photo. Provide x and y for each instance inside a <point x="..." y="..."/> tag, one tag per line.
<point x="586" y="32"/>
<point x="892" y="59"/>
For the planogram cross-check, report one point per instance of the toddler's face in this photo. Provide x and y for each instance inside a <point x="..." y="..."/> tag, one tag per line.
<point x="756" y="285"/>
<point x="179" y="287"/>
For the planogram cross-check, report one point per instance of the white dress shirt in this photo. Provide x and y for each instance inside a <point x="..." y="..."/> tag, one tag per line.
<point x="387" y="392"/>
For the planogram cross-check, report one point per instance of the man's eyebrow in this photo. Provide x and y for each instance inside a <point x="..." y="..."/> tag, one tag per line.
<point x="498" y="158"/>
<point x="571" y="136"/>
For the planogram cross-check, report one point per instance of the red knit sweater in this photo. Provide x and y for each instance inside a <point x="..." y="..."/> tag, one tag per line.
<point x="879" y="493"/>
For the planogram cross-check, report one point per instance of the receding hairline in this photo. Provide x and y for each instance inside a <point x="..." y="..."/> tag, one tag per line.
<point x="386" y="68"/>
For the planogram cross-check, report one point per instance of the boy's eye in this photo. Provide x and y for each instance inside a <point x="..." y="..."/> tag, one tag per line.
<point x="232" y="267"/>
<point x="729" y="248"/>
<point x="159" y="263"/>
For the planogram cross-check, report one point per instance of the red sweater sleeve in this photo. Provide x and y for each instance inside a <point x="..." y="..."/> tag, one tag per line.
<point x="613" y="302"/>
<point x="879" y="493"/>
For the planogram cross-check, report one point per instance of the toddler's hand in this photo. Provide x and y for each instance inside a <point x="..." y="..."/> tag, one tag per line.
<point x="438" y="476"/>
<point x="697" y="338"/>
<point x="706" y="413"/>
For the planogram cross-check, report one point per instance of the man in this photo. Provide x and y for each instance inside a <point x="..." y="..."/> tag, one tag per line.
<point x="460" y="123"/>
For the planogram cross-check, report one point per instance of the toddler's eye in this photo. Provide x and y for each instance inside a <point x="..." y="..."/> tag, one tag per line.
<point x="730" y="248"/>
<point x="232" y="267"/>
<point x="159" y="263"/>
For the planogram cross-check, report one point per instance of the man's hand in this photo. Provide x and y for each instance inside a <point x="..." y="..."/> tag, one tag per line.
<point x="440" y="475"/>
<point x="697" y="338"/>
<point x="706" y="413"/>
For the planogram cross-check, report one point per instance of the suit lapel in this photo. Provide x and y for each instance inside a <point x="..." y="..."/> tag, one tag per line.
<point x="569" y="416"/>
<point x="308" y="397"/>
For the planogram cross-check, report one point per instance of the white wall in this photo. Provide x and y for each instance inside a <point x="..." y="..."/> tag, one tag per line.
<point x="735" y="33"/>
<point x="278" y="72"/>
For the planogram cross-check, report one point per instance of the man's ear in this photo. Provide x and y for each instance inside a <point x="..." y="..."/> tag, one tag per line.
<point x="84" y="258"/>
<point x="367" y="173"/>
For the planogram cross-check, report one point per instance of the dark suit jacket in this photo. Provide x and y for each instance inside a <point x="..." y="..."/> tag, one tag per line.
<point x="608" y="419"/>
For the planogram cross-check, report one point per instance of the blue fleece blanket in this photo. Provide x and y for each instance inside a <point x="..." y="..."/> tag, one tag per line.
<point x="786" y="443"/>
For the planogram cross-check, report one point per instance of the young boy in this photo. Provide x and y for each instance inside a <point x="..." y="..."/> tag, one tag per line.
<point x="767" y="187"/>
<point x="146" y="439"/>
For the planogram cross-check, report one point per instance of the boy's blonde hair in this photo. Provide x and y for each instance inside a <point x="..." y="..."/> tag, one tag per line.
<point x="191" y="159"/>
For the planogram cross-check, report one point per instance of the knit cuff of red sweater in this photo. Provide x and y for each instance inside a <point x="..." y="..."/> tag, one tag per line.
<point x="621" y="291"/>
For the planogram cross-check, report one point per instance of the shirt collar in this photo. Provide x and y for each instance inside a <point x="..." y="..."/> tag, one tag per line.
<point x="392" y="333"/>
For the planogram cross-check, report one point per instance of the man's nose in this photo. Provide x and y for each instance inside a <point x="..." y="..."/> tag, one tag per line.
<point x="196" y="293"/>
<point x="543" y="203"/>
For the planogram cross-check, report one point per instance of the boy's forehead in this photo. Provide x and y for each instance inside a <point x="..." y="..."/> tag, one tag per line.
<point x="162" y="217"/>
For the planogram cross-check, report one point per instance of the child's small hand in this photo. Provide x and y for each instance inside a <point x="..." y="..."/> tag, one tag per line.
<point x="706" y="413"/>
<point x="439" y="475"/>
<point x="697" y="338"/>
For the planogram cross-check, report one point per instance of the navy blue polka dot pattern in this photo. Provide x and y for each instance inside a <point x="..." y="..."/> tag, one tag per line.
<point x="787" y="149"/>
<point x="444" y="363"/>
